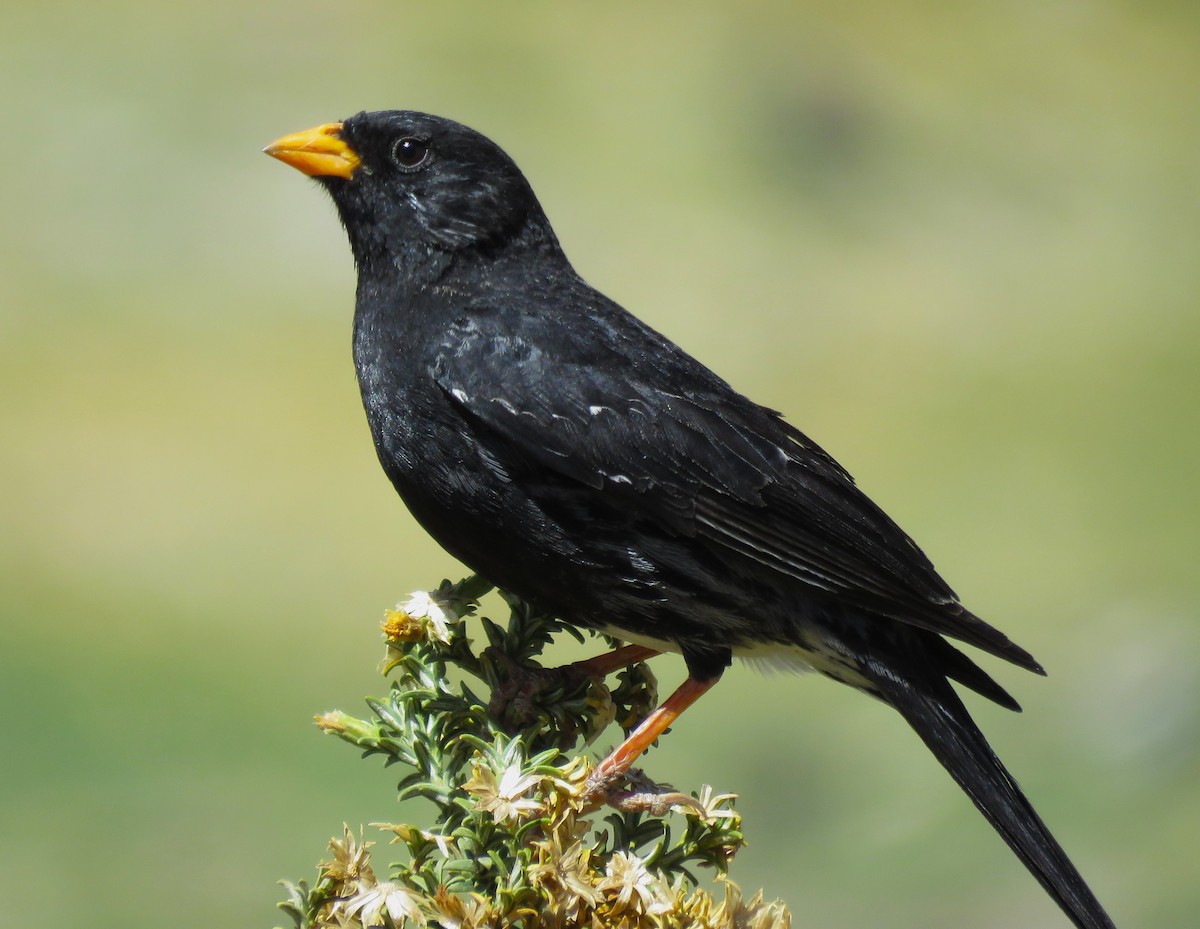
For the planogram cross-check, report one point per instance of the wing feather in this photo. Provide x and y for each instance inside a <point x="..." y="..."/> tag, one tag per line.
<point x="709" y="463"/>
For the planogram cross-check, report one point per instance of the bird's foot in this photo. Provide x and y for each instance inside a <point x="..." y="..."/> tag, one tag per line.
<point x="637" y="794"/>
<point x="515" y="697"/>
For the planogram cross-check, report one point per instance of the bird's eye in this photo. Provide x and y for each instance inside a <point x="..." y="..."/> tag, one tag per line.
<point x="410" y="153"/>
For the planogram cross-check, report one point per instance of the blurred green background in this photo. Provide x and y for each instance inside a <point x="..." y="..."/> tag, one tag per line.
<point x="956" y="243"/>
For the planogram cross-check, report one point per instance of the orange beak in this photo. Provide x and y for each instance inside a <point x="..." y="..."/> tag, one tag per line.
<point x="318" y="152"/>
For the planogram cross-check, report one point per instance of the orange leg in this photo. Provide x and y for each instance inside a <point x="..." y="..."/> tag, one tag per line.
<point x="604" y="664"/>
<point x="625" y="754"/>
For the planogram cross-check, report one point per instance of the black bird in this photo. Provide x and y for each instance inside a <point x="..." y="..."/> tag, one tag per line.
<point x="569" y="453"/>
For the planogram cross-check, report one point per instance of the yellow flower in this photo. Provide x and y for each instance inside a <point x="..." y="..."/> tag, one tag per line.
<point x="399" y="627"/>
<point x="438" y="612"/>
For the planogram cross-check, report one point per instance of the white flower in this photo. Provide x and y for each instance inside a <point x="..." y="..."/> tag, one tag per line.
<point x="430" y="606"/>
<point x="398" y="901"/>
<point x="505" y="797"/>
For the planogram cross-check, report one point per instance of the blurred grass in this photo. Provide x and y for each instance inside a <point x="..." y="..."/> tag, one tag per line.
<point x="956" y="243"/>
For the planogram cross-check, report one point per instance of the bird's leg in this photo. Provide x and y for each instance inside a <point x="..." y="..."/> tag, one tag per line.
<point x="605" y="664"/>
<point x="613" y="768"/>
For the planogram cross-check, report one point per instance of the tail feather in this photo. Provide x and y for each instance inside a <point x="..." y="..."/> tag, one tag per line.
<point x="958" y="667"/>
<point x="934" y="710"/>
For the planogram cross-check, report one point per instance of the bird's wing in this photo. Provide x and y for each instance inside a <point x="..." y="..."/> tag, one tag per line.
<point x="660" y="431"/>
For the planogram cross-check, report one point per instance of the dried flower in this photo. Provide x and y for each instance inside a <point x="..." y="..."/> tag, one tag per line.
<point x="759" y="915"/>
<point x="564" y="874"/>
<point x="541" y="857"/>
<point x="714" y="806"/>
<point x="505" y="797"/>
<point x="470" y="912"/>
<point x="629" y="885"/>
<point x="351" y="863"/>
<point x="369" y="906"/>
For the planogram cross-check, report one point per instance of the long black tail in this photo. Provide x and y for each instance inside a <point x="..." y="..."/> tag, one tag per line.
<point x="934" y="710"/>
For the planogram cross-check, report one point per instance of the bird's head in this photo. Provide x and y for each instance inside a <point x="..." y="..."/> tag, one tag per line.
<point x="408" y="185"/>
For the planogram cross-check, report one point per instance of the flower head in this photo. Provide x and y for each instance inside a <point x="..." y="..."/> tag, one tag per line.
<point x="454" y="912"/>
<point x="438" y="611"/>
<point x="351" y="862"/>
<point x="564" y="877"/>
<point x="504" y="797"/>
<point x="398" y="902"/>
<point x="630" y="887"/>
